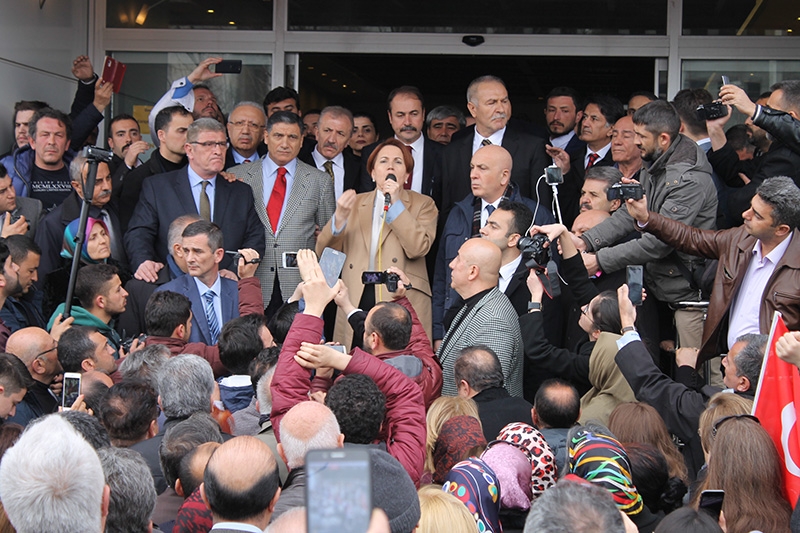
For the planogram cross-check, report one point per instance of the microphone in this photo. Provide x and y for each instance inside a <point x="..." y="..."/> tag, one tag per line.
<point x="387" y="197"/>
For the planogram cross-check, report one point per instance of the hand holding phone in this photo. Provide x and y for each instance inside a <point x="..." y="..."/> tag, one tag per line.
<point x="635" y="274"/>
<point x="338" y="490"/>
<point x="71" y="390"/>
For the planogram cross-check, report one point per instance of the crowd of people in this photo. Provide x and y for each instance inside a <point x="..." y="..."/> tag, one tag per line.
<point x="272" y="281"/>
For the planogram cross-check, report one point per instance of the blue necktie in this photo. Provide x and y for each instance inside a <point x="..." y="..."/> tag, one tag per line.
<point x="490" y="209"/>
<point x="211" y="316"/>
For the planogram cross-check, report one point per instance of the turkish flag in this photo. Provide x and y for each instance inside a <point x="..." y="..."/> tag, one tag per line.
<point x="776" y="405"/>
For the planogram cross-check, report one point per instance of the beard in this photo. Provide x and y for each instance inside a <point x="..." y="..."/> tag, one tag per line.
<point x="653" y="154"/>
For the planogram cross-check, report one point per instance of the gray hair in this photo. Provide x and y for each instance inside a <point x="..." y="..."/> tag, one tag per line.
<point x="574" y="507"/>
<point x="748" y="361"/>
<point x="76" y="167"/>
<point x="49" y="488"/>
<point x="145" y="364"/>
<point x="249" y="103"/>
<point x="609" y="175"/>
<point x="292" y="521"/>
<point x="783" y="196"/>
<point x="264" y="392"/>
<point x="473" y="85"/>
<point x="203" y="124"/>
<point x="185" y="384"/>
<point x="337" y="111"/>
<point x="133" y="495"/>
<point x="444" y="111"/>
<point x="175" y="233"/>
<point x="295" y="449"/>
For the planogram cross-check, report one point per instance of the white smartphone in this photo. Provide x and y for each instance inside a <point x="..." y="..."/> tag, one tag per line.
<point x="71" y="389"/>
<point x="338" y="490"/>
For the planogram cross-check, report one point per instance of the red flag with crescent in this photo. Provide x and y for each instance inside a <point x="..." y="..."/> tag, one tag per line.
<point x="777" y="403"/>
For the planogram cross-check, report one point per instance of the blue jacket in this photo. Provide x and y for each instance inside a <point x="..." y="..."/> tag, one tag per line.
<point x="457" y="230"/>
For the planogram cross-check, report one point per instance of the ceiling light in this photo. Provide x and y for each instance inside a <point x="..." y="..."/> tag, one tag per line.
<point x="323" y="74"/>
<point x="210" y="11"/>
<point x="232" y="23"/>
<point x="344" y="86"/>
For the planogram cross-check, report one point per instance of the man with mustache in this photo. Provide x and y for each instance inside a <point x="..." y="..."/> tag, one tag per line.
<point x="50" y="234"/>
<point x="488" y="103"/>
<point x="562" y="112"/>
<point x="334" y="129"/>
<point x="245" y="130"/>
<point x="407" y="118"/>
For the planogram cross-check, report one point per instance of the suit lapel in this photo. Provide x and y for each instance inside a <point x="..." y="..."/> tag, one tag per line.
<point x="229" y="301"/>
<point x="516" y="279"/>
<point x="255" y="179"/>
<point x="510" y="141"/>
<point x="364" y="217"/>
<point x="198" y="309"/>
<point x="301" y="183"/>
<point x="221" y="197"/>
<point x="184" y="192"/>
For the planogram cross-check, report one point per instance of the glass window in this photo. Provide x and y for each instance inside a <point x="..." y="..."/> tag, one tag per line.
<point x="586" y="17"/>
<point x="149" y="75"/>
<point x="198" y="14"/>
<point x="741" y="17"/>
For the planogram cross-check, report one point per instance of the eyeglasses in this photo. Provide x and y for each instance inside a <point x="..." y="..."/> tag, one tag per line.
<point x="242" y="123"/>
<point x="724" y="419"/>
<point x="38" y="355"/>
<point x="212" y="144"/>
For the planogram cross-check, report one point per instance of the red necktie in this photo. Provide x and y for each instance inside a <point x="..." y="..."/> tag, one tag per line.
<point x="592" y="160"/>
<point x="407" y="184"/>
<point x="276" y="199"/>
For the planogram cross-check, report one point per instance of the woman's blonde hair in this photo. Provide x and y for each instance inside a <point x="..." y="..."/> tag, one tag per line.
<point x="441" y="511"/>
<point x="720" y="405"/>
<point x="440" y="411"/>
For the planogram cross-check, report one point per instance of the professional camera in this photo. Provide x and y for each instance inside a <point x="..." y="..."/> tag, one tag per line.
<point x="712" y="111"/>
<point x="535" y="254"/>
<point x="623" y="191"/>
<point x="377" y="278"/>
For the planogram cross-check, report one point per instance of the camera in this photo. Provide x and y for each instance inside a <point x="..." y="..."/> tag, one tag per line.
<point x="97" y="154"/>
<point x="712" y="111"/>
<point x="381" y="278"/>
<point x="623" y="191"/>
<point x="553" y="176"/>
<point x="126" y="344"/>
<point x="534" y="252"/>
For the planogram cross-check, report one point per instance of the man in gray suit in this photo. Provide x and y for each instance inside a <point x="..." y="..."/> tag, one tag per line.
<point x="292" y="200"/>
<point x="241" y="485"/>
<point x="486" y="318"/>
<point x="27" y="211"/>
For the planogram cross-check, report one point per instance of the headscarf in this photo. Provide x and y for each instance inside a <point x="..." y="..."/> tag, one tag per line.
<point x="609" y="386"/>
<point x="70" y="233"/>
<point x="541" y="456"/>
<point x="475" y="485"/>
<point x="512" y="467"/>
<point x="457" y="436"/>
<point x="601" y="459"/>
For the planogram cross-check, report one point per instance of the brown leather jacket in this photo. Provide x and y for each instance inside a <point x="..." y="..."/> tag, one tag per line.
<point x="733" y="248"/>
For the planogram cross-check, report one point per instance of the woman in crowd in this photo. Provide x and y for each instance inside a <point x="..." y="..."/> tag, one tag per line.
<point x="441" y="511"/>
<point x="364" y="132"/>
<point x="440" y="411"/>
<point x="388" y="227"/>
<point x="744" y="463"/>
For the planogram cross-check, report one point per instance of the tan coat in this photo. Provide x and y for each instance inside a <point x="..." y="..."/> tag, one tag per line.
<point x="404" y="245"/>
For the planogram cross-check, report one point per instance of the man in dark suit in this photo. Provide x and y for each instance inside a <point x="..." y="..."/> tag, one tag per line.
<point x="331" y="153"/>
<point x="407" y="117"/>
<point x="215" y="300"/>
<point x="26" y="210"/>
<point x="488" y="103"/>
<point x="562" y="112"/>
<point x="196" y="189"/>
<point x="600" y="114"/>
<point x="246" y="125"/>
<point x="293" y="198"/>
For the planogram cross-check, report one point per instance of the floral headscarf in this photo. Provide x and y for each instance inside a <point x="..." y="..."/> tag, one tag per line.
<point x="543" y="460"/>
<point x="475" y="485"/>
<point x="457" y="437"/>
<point x="70" y="232"/>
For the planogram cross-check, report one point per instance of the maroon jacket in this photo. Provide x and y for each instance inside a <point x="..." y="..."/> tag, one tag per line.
<point x="250" y="303"/>
<point x="404" y="425"/>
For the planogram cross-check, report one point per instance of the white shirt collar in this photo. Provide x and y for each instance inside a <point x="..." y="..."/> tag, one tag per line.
<point x="601" y="152"/>
<point x="507" y="271"/>
<point x="494" y="138"/>
<point x="562" y="140"/>
<point x="202" y="289"/>
<point x="320" y="159"/>
<point x="776" y="254"/>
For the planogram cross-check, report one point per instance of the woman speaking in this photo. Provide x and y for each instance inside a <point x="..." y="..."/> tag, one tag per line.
<point x="388" y="227"/>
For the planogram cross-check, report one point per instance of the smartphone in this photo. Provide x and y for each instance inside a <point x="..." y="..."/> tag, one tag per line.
<point x="338" y="490"/>
<point x="289" y="259"/>
<point x="553" y="176"/>
<point x="635" y="274"/>
<point x="338" y="347"/>
<point x="711" y="502"/>
<point x="373" y="278"/>
<point x="229" y="66"/>
<point x="114" y="72"/>
<point x="726" y="80"/>
<point x="71" y="389"/>
<point x="331" y="263"/>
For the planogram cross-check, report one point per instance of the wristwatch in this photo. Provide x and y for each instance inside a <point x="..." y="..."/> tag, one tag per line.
<point x="534" y="306"/>
<point x="626" y="329"/>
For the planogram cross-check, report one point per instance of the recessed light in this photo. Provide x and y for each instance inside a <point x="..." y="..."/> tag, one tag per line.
<point x="210" y="11"/>
<point x="323" y="74"/>
<point x="344" y="86"/>
<point x="232" y="23"/>
<point x="310" y="68"/>
<point x="334" y="80"/>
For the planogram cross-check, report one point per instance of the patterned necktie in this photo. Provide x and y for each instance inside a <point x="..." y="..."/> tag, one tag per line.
<point x="211" y="316"/>
<point x="486" y="142"/>
<point x="275" y="204"/>
<point x="407" y="184"/>
<point x="592" y="160"/>
<point x="205" y="205"/>
<point x="246" y="161"/>
<point x="328" y="165"/>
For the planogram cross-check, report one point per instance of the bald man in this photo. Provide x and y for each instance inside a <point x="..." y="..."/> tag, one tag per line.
<point x="588" y="219"/>
<point x="306" y="426"/>
<point x="486" y="318"/>
<point x="490" y="183"/>
<point x="37" y="349"/>
<point x="241" y="485"/>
